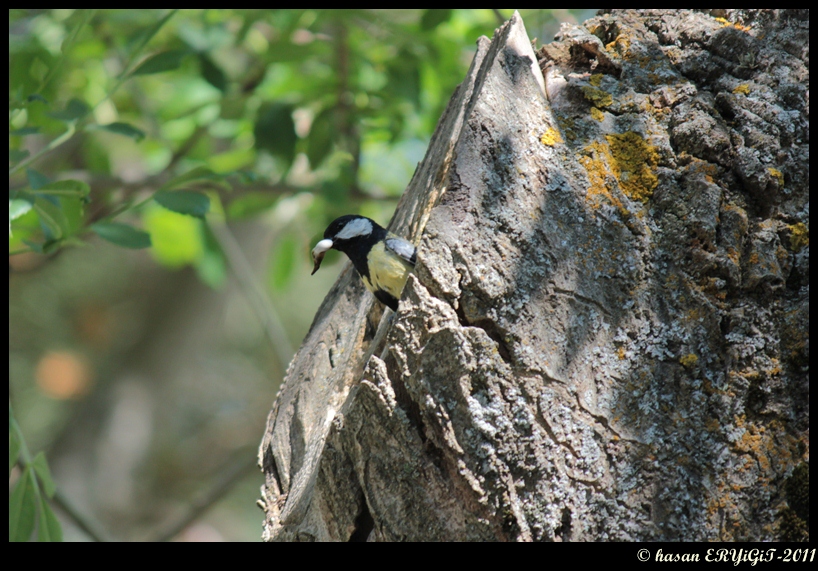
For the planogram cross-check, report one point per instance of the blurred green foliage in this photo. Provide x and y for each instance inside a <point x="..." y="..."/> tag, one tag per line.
<point x="28" y="500"/>
<point x="139" y="106"/>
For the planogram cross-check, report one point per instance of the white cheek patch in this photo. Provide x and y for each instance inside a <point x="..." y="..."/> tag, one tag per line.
<point x="357" y="227"/>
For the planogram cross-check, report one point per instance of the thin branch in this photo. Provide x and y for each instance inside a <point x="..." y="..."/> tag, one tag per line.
<point x="231" y="476"/>
<point x="67" y="44"/>
<point x="253" y="292"/>
<point x="186" y="146"/>
<point x="58" y="499"/>
<point x="78" y="519"/>
<point x="344" y="107"/>
<point x="72" y="129"/>
<point x="132" y="62"/>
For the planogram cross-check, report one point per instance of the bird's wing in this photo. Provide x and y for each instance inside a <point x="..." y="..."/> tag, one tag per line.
<point x="403" y="249"/>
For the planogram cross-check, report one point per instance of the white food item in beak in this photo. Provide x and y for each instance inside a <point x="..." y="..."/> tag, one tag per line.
<point x="318" y="252"/>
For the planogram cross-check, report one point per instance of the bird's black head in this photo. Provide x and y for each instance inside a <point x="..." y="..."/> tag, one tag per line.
<point x="349" y="227"/>
<point x="351" y="234"/>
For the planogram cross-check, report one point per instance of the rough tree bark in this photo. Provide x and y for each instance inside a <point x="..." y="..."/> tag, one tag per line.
<point x="607" y="334"/>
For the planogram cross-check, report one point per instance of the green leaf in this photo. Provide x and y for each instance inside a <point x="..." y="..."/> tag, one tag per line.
<point x="251" y="204"/>
<point x="122" y="235"/>
<point x="176" y="239"/>
<point x="74" y="110"/>
<point x="67" y="188"/>
<point x="36" y="97"/>
<point x="161" y="62"/>
<point x="230" y="160"/>
<point x="22" y="132"/>
<point x="187" y="202"/>
<point x="145" y="35"/>
<point x="52" y="218"/>
<point x="49" y="528"/>
<point x="212" y="73"/>
<point x="433" y="18"/>
<point x="61" y="216"/>
<point x="40" y="465"/>
<point x="247" y="177"/>
<point x="17" y="155"/>
<point x="18" y="207"/>
<point x="198" y="173"/>
<point x="36" y="180"/>
<point x="319" y="141"/>
<point x="74" y="210"/>
<point x="35" y="247"/>
<point x="404" y="78"/>
<point x="22" y="508"/>
<point x="125" y="129"/>
<point x="14" y="448"/>
<point x="283" y="261"/>
<point x="76" y="22"/>
<point x="286" y="51"/>
<point x="50" y="246"/>
<point x="275" y="131"/>
<point x="211" y="267"/>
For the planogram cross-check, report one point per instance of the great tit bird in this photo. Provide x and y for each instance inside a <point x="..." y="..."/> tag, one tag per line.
<point x="383" y="260"/>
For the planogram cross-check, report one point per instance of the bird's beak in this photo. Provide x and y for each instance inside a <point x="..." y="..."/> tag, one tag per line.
<point x="319" y="251"/>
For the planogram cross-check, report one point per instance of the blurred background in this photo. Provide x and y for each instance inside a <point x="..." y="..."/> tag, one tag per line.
<point x="169" y="172"/>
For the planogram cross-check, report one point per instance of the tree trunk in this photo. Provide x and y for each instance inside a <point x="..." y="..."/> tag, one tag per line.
<point x="607" y="333"/>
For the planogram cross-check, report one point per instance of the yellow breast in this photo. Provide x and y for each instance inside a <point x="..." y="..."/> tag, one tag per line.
<point x="386" y="271"/>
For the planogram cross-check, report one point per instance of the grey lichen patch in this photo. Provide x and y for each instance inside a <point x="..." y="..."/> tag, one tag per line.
<point x="766" y="262"/>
